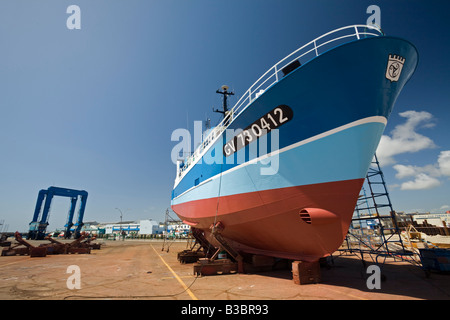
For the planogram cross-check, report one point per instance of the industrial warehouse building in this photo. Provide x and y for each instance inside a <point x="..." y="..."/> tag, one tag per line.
<point x="137" y="228"/>
<point x="437" y="219"/>
<point x="141" y="227"/>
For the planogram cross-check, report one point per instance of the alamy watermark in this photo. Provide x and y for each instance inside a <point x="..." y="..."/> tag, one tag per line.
<point x="74" y="20"/>
<point x="375" y="16"/>
<point x="258" y="147"/>
<point x="374" y="280"/>
<point x="74" y="280"/>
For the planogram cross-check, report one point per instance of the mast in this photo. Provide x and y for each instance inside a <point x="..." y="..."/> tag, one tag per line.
<point x="225" y="94"/>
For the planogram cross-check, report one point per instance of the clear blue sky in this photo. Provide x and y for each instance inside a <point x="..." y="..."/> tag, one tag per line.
<point x="94" y="108"/>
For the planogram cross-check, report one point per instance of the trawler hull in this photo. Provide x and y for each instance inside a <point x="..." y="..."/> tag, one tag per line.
<point x="293" y="196"/>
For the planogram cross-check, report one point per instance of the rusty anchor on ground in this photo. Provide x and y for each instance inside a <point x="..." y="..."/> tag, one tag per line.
<point x="23" y="247"/>
<point x="82" y="245"/>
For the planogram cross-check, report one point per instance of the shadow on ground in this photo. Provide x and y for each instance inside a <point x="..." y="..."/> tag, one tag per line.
<point x="401" y="279"/>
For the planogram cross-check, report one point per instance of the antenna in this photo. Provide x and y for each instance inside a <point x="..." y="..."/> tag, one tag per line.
<point x="207" y="123"/>
<point x="187" y="120"/>
<point x="225" y="94"/>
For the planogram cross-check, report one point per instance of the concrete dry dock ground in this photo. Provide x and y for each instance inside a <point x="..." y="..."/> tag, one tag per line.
<point x="140" y="270"/>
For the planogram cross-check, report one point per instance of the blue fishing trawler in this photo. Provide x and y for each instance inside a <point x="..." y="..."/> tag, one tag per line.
<point x="283" y="170"/>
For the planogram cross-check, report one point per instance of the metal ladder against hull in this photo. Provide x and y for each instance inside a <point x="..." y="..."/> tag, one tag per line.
<point x="376" y="209"/>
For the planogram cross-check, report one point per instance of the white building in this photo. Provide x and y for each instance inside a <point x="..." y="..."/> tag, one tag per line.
<point x="149" y="227"/>
<point x="435" y="219"/>
<point x="178" y="229"/>
<point x="141" y="227"/>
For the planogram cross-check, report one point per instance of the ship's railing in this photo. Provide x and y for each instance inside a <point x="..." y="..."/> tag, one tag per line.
<point x="303" y="54"/>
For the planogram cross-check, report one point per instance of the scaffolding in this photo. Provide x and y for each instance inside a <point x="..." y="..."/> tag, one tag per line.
<point x="168" y="237"/>
<point x="3" y="227"/>
<point x="374" y="230"/>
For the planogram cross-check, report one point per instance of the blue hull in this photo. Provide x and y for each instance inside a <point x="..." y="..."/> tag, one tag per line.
<point x="300" y="188"/>
<point x="341" y="86"/>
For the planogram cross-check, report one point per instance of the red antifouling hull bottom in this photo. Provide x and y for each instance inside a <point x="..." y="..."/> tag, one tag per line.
<point x="299" y="223"/>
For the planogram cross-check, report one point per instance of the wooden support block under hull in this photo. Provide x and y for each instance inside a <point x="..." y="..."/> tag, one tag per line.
<point x="306" y="272"/>
<point x="205" y="267"/>
<point x="189" y="256"/>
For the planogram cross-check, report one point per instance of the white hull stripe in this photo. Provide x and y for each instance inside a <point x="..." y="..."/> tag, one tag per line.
<point x="373" y="119"/>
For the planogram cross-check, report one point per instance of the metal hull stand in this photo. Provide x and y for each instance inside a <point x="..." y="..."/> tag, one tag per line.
<point x="216" y="264"/>
<point x="200" y="249"/>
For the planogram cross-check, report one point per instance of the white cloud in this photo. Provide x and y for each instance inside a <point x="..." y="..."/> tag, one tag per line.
<point x="444" y="162"/>
<point x="421" y="181"/>
<point x="404" y="171"/>
<point x="404" y="137"/>
<point x="424" y="177"/>
<point x="411" y="171"/>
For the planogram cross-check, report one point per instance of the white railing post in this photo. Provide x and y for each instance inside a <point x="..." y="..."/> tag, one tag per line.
<point x="315" y="48"/>
<point x="276" y="73"/>
<point x="357" y="34"/>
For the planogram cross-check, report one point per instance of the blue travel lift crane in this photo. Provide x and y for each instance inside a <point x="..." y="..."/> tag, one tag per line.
<point x="38" y="227"/>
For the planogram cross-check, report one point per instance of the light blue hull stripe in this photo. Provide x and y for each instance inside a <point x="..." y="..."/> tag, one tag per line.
<point x="344" y="155"/>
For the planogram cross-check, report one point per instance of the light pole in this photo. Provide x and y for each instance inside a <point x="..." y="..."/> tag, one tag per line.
<point x="120" y="228"/>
